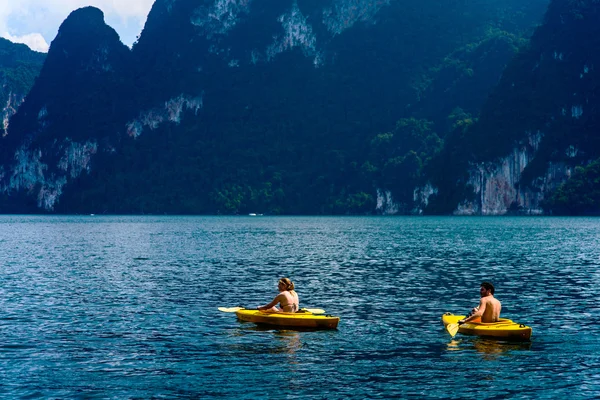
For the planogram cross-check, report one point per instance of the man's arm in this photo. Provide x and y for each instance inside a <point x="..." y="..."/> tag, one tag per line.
<point x="478" y="313"/>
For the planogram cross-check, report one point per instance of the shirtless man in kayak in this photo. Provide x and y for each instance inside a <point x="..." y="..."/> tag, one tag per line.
<point x="287" y="298"/>
<point x="489" y="307"/>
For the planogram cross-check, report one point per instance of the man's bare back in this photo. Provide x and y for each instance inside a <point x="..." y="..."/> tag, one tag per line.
<point x="489" y="307"/>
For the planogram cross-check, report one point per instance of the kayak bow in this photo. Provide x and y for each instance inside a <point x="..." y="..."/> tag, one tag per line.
<point x="504" y="329"/>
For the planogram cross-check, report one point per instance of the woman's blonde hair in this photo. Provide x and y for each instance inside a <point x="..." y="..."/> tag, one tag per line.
<point x="288" y="284"/>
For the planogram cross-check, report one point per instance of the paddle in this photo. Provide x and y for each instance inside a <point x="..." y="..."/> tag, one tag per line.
<point x="452" y="329"/>
<point x="234" y="309"/>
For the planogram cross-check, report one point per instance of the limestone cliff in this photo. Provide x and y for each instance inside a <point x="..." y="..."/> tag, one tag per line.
<point x="499" y="188"/>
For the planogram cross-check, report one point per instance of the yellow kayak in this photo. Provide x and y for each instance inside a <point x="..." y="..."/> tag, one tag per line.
<point x="289" y="320"/>
<point x="504" y="329"/>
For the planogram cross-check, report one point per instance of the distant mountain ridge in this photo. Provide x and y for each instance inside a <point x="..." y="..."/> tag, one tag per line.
<point x="296" y="107"/>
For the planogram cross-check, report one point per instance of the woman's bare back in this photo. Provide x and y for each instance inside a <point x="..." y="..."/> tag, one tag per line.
<point x="289" y="301"/>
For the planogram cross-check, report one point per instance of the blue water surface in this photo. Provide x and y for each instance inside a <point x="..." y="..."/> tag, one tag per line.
<point x="126" y="307"/>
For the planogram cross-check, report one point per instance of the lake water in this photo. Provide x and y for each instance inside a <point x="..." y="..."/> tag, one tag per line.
<point x="126" y="307"/>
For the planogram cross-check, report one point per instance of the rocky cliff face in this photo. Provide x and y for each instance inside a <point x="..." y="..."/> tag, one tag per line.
<point x="498" y="185"/>
<point x="230" y="106"/>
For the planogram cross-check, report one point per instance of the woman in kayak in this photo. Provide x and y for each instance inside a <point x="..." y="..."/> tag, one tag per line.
<point x="287" y="298"/>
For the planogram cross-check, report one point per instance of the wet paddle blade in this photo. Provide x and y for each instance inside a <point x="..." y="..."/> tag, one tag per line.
<point x="315" y="310"/>
<point x="452" y="329"/>
<point x="230" y="309"/>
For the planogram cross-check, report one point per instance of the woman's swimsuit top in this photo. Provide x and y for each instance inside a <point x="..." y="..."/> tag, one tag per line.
<point x="286" y="307"/>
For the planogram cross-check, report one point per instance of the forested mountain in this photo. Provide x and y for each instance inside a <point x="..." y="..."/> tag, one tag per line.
<point x="538" y="128"/>
<point x="272" y="106"/>
<point x="19" y="66"/>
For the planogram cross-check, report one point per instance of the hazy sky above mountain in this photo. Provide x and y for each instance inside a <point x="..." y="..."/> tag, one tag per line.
<point x="36" y="22"/>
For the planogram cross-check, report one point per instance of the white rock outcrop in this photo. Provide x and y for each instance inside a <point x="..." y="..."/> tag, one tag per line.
<point x="30" y="172"/>
<point x="10" y="109"/>
<point x="497" y="185"/>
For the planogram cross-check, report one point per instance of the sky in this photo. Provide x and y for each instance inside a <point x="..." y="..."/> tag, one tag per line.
<point x="36" y="22"/>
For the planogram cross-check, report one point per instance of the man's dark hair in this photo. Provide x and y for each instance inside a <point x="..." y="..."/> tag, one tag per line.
<point x="488" y="286"/>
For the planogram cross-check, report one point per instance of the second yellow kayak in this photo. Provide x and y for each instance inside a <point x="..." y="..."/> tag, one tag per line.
<point x="504" y="329"/>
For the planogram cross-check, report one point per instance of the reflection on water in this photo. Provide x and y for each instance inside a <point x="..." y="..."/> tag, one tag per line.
<point x="283" y="341"/>
<point x="488" y="346"/>
<point x="489" y="349"/>
<point x="454" y="345"/>
<point x="290" y="341"/>
<point x="263" y="339"/>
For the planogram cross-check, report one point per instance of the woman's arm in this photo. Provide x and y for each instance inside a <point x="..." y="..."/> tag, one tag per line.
<point x="272" y="304"/>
